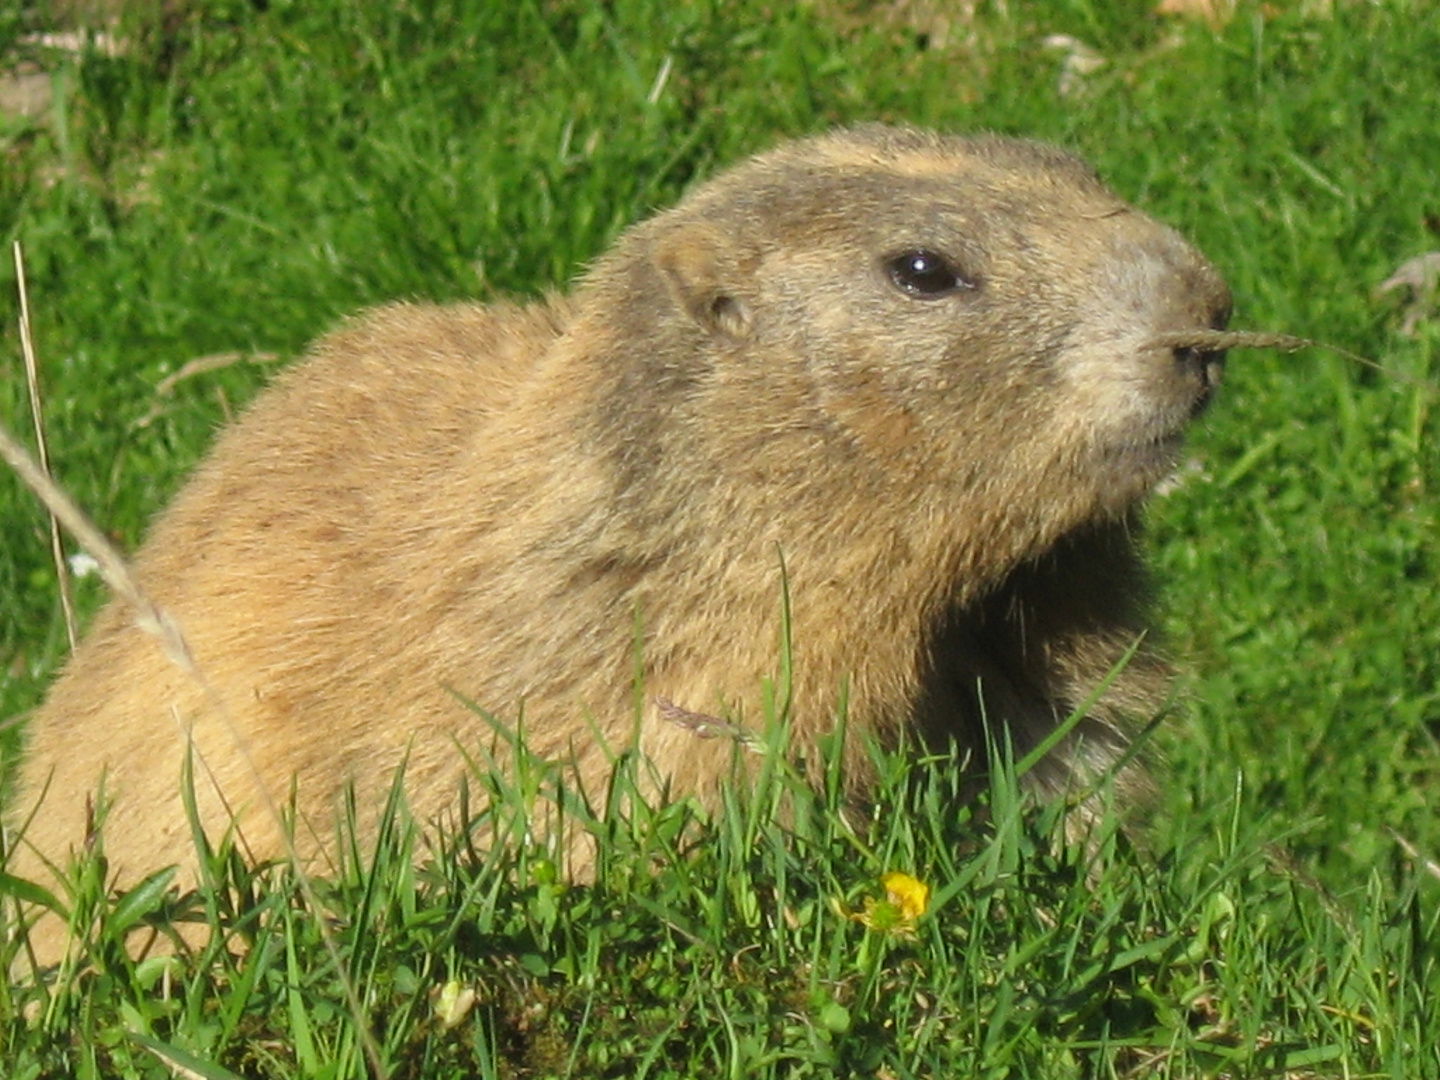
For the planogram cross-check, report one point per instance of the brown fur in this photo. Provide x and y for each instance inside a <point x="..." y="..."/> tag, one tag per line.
<point x="485" y="499"/>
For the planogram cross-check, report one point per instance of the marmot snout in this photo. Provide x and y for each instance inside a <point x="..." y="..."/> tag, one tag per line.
<point x="920" y="369"/>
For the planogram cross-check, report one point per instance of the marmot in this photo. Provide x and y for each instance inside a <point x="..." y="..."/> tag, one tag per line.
<point x="917" y="371"/>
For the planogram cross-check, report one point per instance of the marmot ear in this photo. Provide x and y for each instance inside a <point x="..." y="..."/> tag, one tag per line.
<point x="698" y="264"/>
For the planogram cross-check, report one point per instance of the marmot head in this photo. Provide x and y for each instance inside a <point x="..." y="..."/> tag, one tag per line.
<point x="955" y="317"/>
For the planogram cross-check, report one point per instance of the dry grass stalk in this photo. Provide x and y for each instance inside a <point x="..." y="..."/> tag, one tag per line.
<point x="198" y="366"/>
<point x="1429" y="865"/>
<point x="113" y="567"/>
<point x="37" y="413"/>
<point x="1246" y="339"/>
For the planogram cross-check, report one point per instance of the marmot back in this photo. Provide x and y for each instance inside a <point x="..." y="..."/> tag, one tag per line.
<point x="919" y="368"/>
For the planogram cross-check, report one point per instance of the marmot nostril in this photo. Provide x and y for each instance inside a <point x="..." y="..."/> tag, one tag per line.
<point x="1211" y="368"/>
<point x="1214" y="366"/>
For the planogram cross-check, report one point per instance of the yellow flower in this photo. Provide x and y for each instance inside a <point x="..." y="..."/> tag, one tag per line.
<point x="905" y="901"/>
<point x="908" y="894"/>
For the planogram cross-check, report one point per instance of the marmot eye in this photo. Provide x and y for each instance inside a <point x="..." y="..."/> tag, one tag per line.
<point x="923" y="274"/>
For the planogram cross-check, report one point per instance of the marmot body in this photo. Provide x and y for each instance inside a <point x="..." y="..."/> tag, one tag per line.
<point x="918" y="368"/>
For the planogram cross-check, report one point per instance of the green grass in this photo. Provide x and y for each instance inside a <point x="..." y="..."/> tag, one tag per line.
<point x="246" y="179"/>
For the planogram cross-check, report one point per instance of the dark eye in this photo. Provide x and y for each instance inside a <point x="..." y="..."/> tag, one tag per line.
<point x="925" y="275"/>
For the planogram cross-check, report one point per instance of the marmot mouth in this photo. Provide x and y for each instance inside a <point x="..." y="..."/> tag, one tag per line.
<point x="1145" y="459"/>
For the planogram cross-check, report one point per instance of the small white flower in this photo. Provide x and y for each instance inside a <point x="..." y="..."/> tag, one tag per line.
<point x="451" y="1001"/>
<point x="82" y="565"/>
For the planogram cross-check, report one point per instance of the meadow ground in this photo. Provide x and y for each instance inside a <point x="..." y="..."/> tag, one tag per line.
<point x="234" y="180"/>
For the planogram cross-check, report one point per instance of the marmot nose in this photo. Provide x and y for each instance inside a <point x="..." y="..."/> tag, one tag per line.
<point x="1202" y="303"/>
